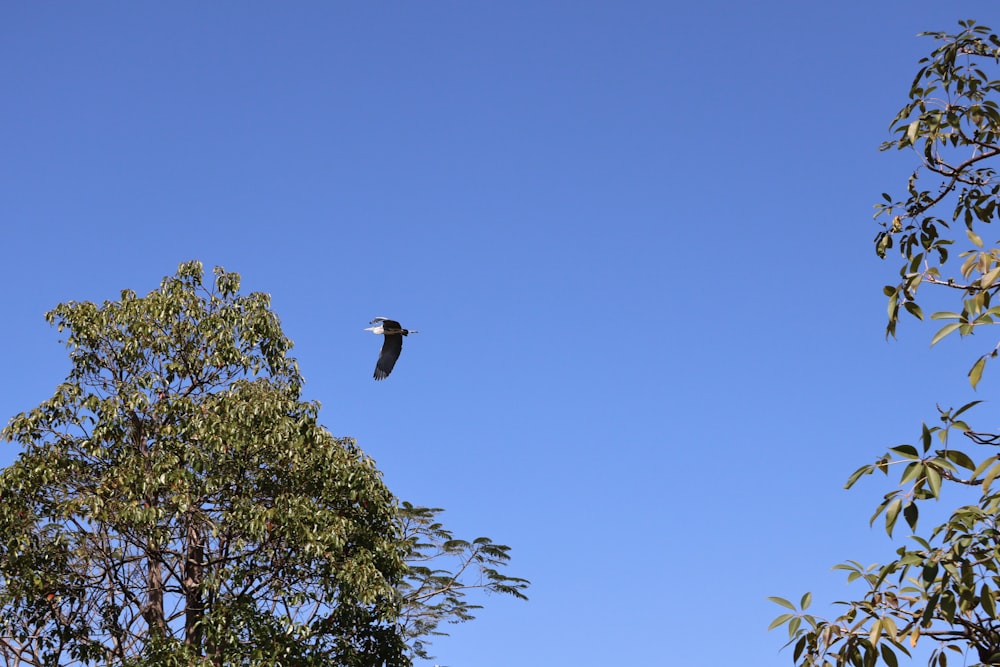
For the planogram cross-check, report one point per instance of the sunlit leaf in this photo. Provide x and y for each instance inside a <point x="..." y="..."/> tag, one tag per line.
<point x="780" y="620"/>
<point x="944" y="331"/>
<point x="990" y="277"/>
<point x="976" y="372"/>
<point x="970" y="404"/>
<point x="934" y="481"/>
<point x="781" y="601"/>
<point x="875" y="634"/>
<point x="891" y="513"/>
<point x="960" y="459"/>
<point x="912" y="471"/>
<point x="990" y="476"/>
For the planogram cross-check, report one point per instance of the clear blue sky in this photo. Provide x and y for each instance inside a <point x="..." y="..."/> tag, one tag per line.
<point x="635" y="236"/>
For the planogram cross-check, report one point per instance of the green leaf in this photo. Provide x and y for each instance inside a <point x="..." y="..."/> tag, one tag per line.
<point x="858" y="474"/>
<point x="989" y="278"/>
<point x="781" y="601"/>
<point x="983" y="465"/>
<point x="889" y="627"/>
<point x="910" y="513"/>
<point x="970" y="404"/>
<point x="912" y="471"/>
<point x="990" y="476"/>
<point x="891" y="514"/>
<point x="934" y="481"/>
<point x="780" y="620"/>
<point x="913" y="309"/>
<point x="806" y="600"/>
<point x="960" y="459"/>
<point x="987" y="602"/>
<point x="976" y="372"/>
<point x="799" y="646"/>
<point x="944" y="331"/>
<point x="875" y="634"/>
<point x="929" y="574"/>
<point x="883" y="241"/>
<point x="888" y="655"/>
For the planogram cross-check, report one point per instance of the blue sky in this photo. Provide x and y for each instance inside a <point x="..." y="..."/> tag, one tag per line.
<point x="635" y="237"/>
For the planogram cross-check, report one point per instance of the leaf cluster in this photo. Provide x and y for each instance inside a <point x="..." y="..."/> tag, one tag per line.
<point x="944" y="589"/>
<point x="952" y="123"/>
<point x="441" y="572"/>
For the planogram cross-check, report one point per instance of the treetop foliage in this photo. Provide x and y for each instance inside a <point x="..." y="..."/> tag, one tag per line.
<point x="177" y="503"/>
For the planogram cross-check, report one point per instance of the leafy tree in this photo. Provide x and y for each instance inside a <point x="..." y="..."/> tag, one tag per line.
<point x="942" y="588"/>
<point x="177" y="503"/>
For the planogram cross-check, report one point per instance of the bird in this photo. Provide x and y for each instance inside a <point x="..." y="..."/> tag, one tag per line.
<point x="392" y="345"/>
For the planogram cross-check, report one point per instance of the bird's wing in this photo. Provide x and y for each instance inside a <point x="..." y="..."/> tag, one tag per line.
<point x="391" y="348"/>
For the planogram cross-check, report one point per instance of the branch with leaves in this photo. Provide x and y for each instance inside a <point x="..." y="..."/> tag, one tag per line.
<point x="941" y="587"/>
<point x="945" y="590"/>
<point x="952" y="122"/>
<point x="441" y="572"/>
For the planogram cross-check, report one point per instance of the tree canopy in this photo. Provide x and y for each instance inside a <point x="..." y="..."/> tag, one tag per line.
<point x="176" y="502"/>
<point x="941" y="589"/>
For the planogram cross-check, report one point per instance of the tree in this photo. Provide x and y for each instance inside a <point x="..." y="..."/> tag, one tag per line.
<point x="177" y="503"/>
<point x="942" y="588"/>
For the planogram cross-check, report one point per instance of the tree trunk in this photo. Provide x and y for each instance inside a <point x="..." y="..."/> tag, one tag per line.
<point x="153" y="613"/>
<point x="194" y="608"/>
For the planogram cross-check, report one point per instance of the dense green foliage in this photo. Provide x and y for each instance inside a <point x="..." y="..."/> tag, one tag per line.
<point x="177" y="503"/>
<point x="941" y="589"/>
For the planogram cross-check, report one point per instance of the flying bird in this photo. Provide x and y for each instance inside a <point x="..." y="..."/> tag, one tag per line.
<point x="392" y="344"/>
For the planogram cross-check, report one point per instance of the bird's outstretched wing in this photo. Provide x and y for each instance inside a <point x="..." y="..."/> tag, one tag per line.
<point x="391" y="348"/>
